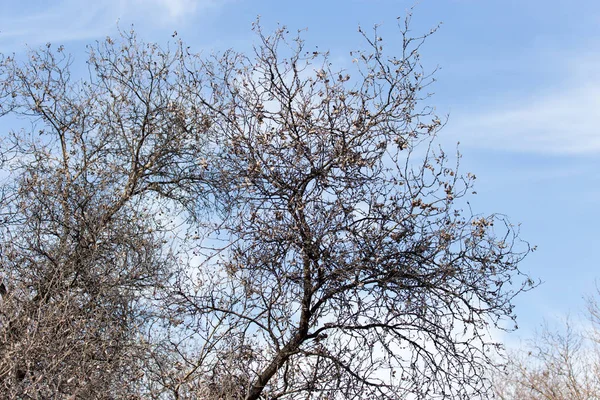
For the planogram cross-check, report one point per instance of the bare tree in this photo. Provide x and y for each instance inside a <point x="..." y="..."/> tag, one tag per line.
<point x="312" y="241"/>
<point x="343" y="267"/>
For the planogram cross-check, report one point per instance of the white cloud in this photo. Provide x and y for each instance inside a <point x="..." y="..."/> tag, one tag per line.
<point x="560" y="120"/>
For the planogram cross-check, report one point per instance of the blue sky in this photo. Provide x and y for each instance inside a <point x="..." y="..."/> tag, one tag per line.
<point x="519" y="79"/>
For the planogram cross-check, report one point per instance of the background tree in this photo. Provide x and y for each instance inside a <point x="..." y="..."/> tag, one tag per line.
<point x="232" y="226"/>
<point x="559" y="363"/>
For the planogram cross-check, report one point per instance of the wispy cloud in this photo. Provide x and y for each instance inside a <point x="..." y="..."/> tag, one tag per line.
<point x="61" y="21"/>
<point x="559" y="119"/>
<point x="70" y="20"/>
<point x="178" y="9"/>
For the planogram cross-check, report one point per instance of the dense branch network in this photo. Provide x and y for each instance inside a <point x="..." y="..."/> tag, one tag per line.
<point x="242" y="227"/>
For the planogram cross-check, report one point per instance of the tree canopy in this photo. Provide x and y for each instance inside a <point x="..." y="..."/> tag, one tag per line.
<point x="241" y="226"/>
